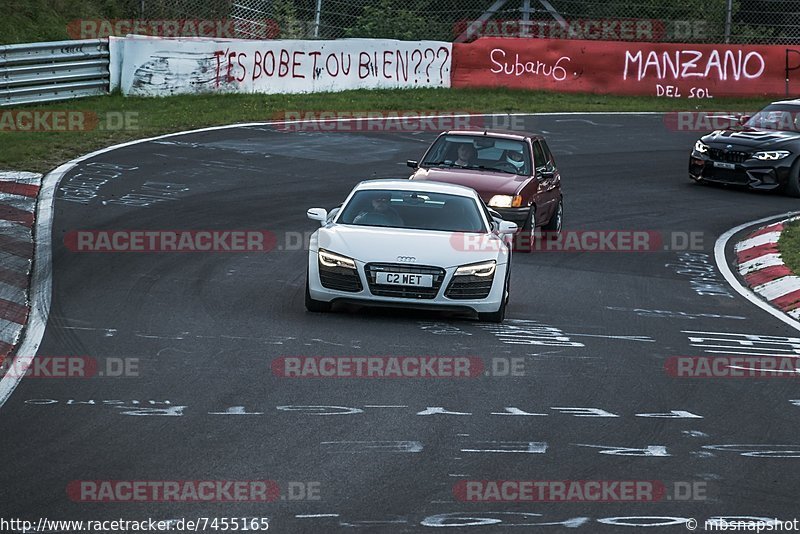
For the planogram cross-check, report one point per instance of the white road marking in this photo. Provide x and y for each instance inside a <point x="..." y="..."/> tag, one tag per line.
<point x="18" y="231"/>
<point x="777" y="288"/>
<point x="722" y="265"/>
<point x="9" y="331"/>
<point x="757" y="241"/>
<point x="13" y="294"/>
<point x="21" y="177"/>
<point x="645" y="339"/>
<point x="21" y="202"/>
<point x="762" y="262"/>
<point x="15" y="263"/>
<point x="41" y="283"/>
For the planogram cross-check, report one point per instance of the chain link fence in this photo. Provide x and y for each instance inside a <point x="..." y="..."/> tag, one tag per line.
<point x="699" y="21"/>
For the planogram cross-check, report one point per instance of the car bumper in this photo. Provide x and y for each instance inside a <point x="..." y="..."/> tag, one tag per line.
<point x="364" y="295"/>
<point x="750" y="173"/>
<point x="517" y="215"/>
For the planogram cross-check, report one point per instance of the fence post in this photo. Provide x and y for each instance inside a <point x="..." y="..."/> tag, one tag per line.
<point x="317" y="13"/>
<point x="728" y="18"/>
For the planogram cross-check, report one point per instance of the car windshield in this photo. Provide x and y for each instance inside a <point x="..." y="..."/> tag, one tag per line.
<point x="413" y="210"/>
<point x="481" y="152"/>
<point x="781" y="117"/>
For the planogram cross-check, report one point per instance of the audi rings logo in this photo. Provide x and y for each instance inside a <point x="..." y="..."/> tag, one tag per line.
<point x="406" y="259"/>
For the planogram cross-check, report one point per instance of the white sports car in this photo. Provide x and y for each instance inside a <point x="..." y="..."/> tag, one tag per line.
<point x="411" y="245"/>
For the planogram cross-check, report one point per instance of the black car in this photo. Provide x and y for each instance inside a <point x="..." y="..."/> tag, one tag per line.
<point x="764" y="153"/>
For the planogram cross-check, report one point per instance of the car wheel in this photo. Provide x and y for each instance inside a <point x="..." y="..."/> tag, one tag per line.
<point x="500" y="314"/>
<point x="524" y="239"/>
<point x="557" y="220"/>
<point x="316" y="306"/>
<point x="793" y="184"/>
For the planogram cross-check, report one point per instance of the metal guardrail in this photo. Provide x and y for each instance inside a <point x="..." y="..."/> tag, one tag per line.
<point x="43" y="72"/>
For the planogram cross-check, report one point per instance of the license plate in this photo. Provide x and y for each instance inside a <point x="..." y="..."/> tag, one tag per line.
<point x="723" y="165"/>
<point x="405" y="279"/>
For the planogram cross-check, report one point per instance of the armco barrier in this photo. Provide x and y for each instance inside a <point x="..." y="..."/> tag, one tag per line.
<point x="42" y="72"/>
<point x="654" y="69"/>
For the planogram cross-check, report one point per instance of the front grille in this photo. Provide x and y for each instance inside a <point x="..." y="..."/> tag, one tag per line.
<point x="724" y="175"/>
<point x="729" y="156"/>
<point x="406" y="292"/>
<point x="339" y="279"/>
<point x="469" y="287"/>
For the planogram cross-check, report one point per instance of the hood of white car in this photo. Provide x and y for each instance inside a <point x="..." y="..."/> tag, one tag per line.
<point x="443" y="249"/>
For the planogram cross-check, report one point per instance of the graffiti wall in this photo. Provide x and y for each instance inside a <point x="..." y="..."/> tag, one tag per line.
<point x="159" y="67"/>
<point x="626" y="68"/>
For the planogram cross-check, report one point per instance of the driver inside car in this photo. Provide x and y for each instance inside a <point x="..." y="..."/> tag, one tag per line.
<point x="466" y="155"/>
<point x="380" y="213"/>
<point x="515" y="159"/>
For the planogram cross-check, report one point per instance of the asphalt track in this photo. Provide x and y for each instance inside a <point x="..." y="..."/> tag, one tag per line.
<point x="205" y="328"/>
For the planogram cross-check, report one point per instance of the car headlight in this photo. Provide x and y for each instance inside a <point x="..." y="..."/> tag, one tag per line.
<point x="771" y="155"/>
<point x="485" y="268"/>
<point x="505" y="201"/>
<point x="700" y="147"/>
<point x="329" y="259"/>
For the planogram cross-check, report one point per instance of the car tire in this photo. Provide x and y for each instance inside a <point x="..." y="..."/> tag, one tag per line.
<point x="316" y="306"/>
<point x="524" y="239"/>
<point x="500" y="314"/>
<point x="793" y="184"/>
<point x="557" y="220"/>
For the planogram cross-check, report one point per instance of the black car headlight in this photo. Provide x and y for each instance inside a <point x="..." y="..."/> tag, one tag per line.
<point x="482" y="269"/>
<point x="329" y="259"/>
<point x="771" y="155"/>
<point x="700" y="147"/>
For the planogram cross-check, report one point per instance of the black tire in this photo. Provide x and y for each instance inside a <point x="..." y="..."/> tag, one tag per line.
<point x="316" y="306"/>
<point x="500" y="314"/>
<point x="556" y="222"/>
<point x="793" y="183"/>
<point x="524" y="239"/>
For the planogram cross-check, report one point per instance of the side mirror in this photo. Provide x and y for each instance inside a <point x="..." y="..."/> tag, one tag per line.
<point x="332" y="213"/>
<point x="743" y="119"/>
<point x="318" y="214"/>
<point x="507" y="227"/>
<point x="412" y="163"/>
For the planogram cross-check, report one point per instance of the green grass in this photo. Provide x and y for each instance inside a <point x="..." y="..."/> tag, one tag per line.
<point x="42" y="151"/>
<point x="789" y="246"/>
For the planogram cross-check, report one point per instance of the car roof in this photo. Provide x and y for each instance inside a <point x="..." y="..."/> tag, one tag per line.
<point x="505" y="134"/>
<point x="422" y="186"/>
<point x="794" y="102"/>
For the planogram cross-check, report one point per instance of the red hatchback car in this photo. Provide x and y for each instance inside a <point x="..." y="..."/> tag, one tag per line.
<point x="514" y="173"/>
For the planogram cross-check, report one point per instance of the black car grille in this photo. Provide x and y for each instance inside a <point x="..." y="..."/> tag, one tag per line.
<point x="729" y="156"/>
<point x="406" y="292"/>
<point x="339" y="279"/>
<point x="469" y="287"/>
